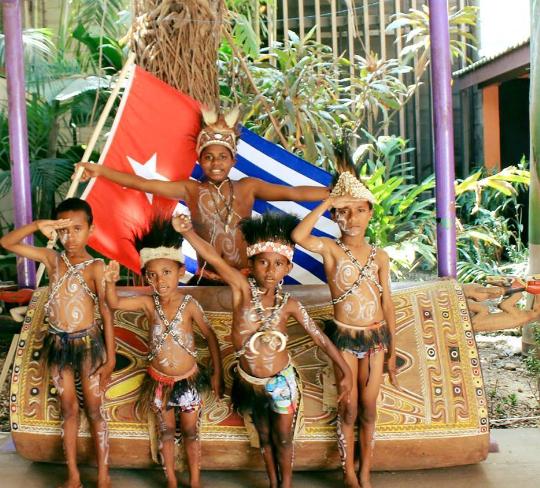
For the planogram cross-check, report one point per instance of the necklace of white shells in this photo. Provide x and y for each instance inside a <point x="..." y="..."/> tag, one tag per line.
<point x="267" y="332"/>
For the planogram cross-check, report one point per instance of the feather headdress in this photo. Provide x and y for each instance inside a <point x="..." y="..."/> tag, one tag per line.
<point x="221" y="129"/>
<point x="270" y="232"/>
<point x="159" y="240"/>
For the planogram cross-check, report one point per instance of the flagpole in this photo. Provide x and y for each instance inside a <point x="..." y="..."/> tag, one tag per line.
<point x="91" y="144"/>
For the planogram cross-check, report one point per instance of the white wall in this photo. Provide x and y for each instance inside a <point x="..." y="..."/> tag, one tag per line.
<point x="503" y="23"/>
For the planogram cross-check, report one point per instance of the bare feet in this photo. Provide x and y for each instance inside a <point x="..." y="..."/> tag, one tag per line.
<point x="351" y="481"/>
<point x="172" y="483"/>
<point x="104" y="482"/>
<point x="365" y="483"/>
<point x="72" y="482"/>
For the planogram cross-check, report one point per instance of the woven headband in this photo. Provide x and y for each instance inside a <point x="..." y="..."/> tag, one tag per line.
<point x="208" y="138"/>
<point x="162" y="252"/>
<point x="270" y="246"/>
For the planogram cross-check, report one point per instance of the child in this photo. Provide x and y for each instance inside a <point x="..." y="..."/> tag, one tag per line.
<point x="265" y="384"/>
<point x="174" y="380"/>
<point x="75" y="342"/>
<point x="217" y="204"/>
<point x="364" y="316"/>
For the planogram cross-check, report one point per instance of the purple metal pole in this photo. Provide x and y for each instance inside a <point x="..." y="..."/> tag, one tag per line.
<point x="18" y="136"/>
<point x="441" y="76"/>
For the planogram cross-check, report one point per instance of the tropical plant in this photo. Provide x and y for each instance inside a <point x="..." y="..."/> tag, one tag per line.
<point x="375" y="88"/>
<point x="311" y="92"/>
<point x="302" y="90"/>
<point x="417" y="38"/>
<point x="62" y="98"/>
<point x="404" y="221"/>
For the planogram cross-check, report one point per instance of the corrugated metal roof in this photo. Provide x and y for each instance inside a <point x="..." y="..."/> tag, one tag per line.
<point x="487" y="59"/>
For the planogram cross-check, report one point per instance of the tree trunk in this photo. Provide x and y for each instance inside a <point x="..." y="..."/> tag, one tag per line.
<point x="178" y="42"/>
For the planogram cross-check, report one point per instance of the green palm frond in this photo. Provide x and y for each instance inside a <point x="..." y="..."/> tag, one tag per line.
<point x="39" y="50"/>
<point x="90" y="13"/>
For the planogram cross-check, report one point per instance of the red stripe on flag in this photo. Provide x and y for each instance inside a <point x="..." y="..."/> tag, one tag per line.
<point x="156" y="127"/>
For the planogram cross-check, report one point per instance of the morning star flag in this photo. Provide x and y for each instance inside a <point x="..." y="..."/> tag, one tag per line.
<point x="154" y="135"/>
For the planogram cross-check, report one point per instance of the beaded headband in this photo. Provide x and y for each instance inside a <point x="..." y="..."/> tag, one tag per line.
<point x="219" y="129"/>
<point x="270" y="246"/>
<point x="162" y="252"/>
<point x="350" y="185"/>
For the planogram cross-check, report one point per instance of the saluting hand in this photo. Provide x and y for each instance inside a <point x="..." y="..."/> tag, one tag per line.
<point x="48" y="227"/>
<point x="344" y="201"/>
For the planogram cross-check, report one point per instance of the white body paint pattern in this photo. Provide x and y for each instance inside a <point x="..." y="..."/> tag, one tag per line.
<point x="310" y="326"/>
<point x="342" y="443"/>
<point x="72" y="295"/>
<point x="171" y="355"/>
<point x="255" y="360"/>
<point x="342" y="224"/>
<point x="364" y="302"/>
<point x="222" y="240"/>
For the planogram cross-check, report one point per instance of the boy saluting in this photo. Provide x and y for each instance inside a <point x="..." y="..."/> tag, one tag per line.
<point x="75" y="343"/>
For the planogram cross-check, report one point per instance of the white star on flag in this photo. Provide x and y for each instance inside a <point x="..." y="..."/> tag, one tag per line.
<point x="148" y="171"/>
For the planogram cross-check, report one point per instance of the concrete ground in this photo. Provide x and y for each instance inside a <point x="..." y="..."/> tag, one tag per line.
<point x="517" y="464"/>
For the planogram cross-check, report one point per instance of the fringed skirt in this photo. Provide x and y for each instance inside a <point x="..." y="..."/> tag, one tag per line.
<point x="359" y="340"/>
<point x="161" y="392"/>
<point x="70" y="350"/>
<point x="279" y="393"/>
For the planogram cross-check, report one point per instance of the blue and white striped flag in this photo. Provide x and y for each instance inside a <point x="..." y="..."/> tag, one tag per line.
<point x="262" y="159"/>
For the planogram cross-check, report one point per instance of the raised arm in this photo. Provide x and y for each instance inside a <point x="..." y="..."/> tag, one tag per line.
<point x="198" y="316"/>
<point x="389" y="312"/>
<point x="176" y="190"/>
<point x="271" y="193"/>
<point x="105" y="371"/>
<point x="12" y="241"/>
<point x="302" y="233"/>
<point x="112" y="275"/>
<point x="231" y="276"/>
<point x="323" y="342"/>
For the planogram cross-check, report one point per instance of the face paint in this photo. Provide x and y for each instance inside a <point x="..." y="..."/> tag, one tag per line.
<point x="343" y="224"/>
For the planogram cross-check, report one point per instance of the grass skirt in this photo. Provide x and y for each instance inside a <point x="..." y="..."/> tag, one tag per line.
<point x="70" y="350"/>
<point x="158" y="385"/>
<point x="358" y="338"/>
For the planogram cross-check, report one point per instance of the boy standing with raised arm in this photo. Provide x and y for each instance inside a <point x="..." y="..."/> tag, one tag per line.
<point x="75" y="343"/>
<point x="266" y="383"/>
<point x="364" y="322"/>
<point x="175" y="383"/>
